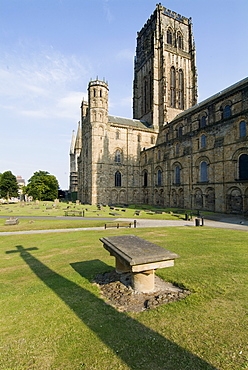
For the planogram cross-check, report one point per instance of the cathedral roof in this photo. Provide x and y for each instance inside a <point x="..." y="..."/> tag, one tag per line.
<point x="130" y="122"/>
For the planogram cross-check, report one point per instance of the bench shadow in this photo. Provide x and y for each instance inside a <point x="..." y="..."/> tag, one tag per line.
<point x="138" y="346"/>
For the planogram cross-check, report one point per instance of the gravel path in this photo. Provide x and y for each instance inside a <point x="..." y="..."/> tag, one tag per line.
<point x="117" y="291"/>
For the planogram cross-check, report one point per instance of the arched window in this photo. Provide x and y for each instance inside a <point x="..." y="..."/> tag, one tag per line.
<point x="118" y="178"/>
<point x="180" y="41"/>
<point x="100" y="93"/>
<point x="181" y="90"/>
<point x="118" y="156"/>
<point x="94" y="115"/>
<point x="94" y="93"/>
<point x="177" y="175"/>
<point x="173" y="86"/>
<point x="203" y="172"/>
<point x="227" y="111"/>
<point x="242" y="129"/>
<point x="243" y="167"/>
<point x="150" y="90"/>
<point x="139" y="138"/>
<point x="101" y="132"/>
<point x="159" y="177"/>
<point x="177" y="149"/>
<point x="203" y="121"/>
<point x="180" y="131"/>
<point x="169" y="36"/>
<point x="117" y="134"/>
<point x="203" y="141"/>
<point x="145" y="179"/>
<point x="145" y="158"/>
<point x="145" y="95"/>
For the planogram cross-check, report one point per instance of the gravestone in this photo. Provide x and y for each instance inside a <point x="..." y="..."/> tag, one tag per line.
<point x="12" y="221"/>
<point x="139" y="257"/>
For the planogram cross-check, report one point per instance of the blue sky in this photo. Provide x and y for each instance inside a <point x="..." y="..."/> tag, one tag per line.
<point x="50" y="49"/>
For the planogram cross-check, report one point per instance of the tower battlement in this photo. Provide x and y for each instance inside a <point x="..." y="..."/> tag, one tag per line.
<point x="176" y="16"/>
<point x="98" y="83"/>
<point x="167" y="12"/>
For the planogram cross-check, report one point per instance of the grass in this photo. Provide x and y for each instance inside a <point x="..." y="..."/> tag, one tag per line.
<point x="37" y="224"/>
<point x="48" y="209"/>
<point x="52" y="317"/>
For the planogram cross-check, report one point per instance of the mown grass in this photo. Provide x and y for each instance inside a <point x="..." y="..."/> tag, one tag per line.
<point x="52" y="317"/>
<point x="49" y="209"/>
<point x="43" y="224"/>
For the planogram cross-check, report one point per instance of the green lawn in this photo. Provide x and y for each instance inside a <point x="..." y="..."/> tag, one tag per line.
<point x="46" y="209"/>
<point x="52" y="317"/>
<point x="49" y="209"/>
<point x="37" y="224"/>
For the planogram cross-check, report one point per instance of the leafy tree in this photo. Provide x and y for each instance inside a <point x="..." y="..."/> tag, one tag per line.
<point x="43" y="186"/>
<point x="8" y="185"/>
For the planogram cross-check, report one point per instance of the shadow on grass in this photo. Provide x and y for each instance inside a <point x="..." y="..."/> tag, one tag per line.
<point x="135" y="344"/>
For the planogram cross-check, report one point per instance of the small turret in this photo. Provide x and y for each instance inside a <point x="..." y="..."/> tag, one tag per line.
<point x="84" y="109"/>
<point x="98" y="101"/>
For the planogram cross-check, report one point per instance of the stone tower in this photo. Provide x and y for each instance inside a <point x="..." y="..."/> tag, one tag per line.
<point x="165" y="77"/>
<point x="94" y="123"/>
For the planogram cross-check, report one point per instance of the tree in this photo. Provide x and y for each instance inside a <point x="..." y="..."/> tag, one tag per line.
<point x="8" y="185"/>
<point x="43" y="186"/>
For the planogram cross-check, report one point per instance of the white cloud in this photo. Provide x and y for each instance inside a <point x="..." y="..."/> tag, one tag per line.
<point x="70" y="103"/>
<point x="43" y="84"/>
<point x="107" y="11"/>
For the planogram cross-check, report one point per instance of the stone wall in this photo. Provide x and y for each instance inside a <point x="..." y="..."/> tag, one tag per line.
<point x="200" y="165"/>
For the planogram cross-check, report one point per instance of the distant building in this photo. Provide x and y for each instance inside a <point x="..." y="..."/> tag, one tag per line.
<point x="174" y="152"/>
<point x="21" y="183"/>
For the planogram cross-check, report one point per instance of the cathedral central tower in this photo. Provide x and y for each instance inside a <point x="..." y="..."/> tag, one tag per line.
<point x="165" y="77"/>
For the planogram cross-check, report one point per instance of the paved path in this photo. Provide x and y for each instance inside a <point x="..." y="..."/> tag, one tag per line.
<point x="217" y="221"/>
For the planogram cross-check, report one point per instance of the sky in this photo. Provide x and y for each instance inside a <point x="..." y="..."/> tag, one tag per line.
<point x="50" y="49"/>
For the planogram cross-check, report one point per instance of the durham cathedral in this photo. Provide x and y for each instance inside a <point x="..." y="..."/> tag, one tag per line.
<point x="175" y="152"/>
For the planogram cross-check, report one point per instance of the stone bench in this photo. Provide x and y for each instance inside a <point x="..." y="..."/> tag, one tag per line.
<point x="12" y="221"/>
<point x="74" y="213"/>
<point x="139" y="257"/>
<point x="117" y="224"/>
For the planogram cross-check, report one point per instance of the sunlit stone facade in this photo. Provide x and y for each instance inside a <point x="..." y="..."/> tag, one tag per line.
<point x="174" y="152"/>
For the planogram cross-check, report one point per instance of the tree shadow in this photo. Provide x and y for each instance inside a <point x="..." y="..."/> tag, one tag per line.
<point x="136" y="345"/>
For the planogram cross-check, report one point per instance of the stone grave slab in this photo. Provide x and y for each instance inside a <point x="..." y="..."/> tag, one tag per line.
<point x="139" y="257"/>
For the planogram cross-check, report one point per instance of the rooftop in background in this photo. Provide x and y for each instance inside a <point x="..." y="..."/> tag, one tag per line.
<point x="130" y="122"/>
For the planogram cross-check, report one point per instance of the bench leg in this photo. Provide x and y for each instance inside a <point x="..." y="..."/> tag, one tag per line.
<point x="143" y="281"/>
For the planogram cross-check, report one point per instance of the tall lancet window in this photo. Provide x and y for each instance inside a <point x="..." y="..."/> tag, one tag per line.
<point x="117" y="179"/>
<point x="180" y="41"/>
<point x="181" y="90"/>
<point x="243" y="167"/>
<point x="145" y="98"/>
<point x="169" y="36"/>
<point x="173" y="86"/>
<point x="150" y="90"/>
